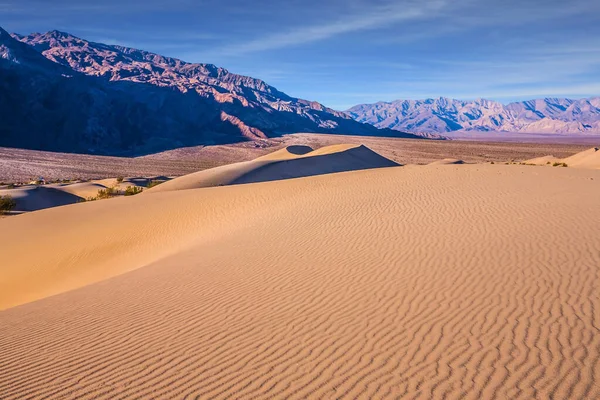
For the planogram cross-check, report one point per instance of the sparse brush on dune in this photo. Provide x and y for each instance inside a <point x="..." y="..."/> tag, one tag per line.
<point x="153" y="183"/>
<point x="132" y="190"/>
<point x="105" y="194"/>
<point x="7" y="204"/>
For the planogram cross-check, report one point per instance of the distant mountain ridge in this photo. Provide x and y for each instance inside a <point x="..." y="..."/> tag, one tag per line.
<point x="63" y="93"/>
<point x="550" y="115"/>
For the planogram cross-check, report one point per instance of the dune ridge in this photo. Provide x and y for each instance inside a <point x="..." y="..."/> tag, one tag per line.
<point x="39" y="197"/>
<point x="33" y="197"/>
<point x="455" y="282"/>
<point x="447" y="161"/>
<point x="290" y="162"/>
<point x="589" y="159"/>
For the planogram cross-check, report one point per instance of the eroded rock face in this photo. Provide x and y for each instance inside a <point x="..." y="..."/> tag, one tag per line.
<point x="446" y="115"/>
<point x="60" y="92"/>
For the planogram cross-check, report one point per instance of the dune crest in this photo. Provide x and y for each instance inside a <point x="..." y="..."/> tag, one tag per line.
<point x="588" y="159"/>
<point x="290" y="162"/>
<point x="448" y="161"/>
<point x="34" y="197"/>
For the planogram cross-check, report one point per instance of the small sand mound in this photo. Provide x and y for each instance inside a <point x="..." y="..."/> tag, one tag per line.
<point x="589" y="159"/>
<point x="290" y="162"/>
<point x="447" y="161"/>
<point x="82" y="189"/>
<point x="543" y="160"/>
<point x="32" y="198"/>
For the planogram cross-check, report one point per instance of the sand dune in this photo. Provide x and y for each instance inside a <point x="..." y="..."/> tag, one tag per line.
<point x="464" y="282"/>
<point x="589" y="159"/>
<point x="586" y="159"/>
<point x="447" y="161"/>
<point x="543" y="160"/>
<point x="137" y="181"/>
<point x="81" y="189"/>
<point x="33" y="197"/>
<point x="39" y="197"/>
<point x="289" y="162"/>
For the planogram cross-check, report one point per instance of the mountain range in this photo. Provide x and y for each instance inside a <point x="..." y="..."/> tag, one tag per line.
<point x="62" y="93"/>
<point x="550" y="115"/>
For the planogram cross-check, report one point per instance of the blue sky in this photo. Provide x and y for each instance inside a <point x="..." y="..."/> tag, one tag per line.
<point x="343" y="53"/>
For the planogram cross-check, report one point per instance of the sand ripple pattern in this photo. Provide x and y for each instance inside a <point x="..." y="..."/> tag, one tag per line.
<point x="451" y="282"/>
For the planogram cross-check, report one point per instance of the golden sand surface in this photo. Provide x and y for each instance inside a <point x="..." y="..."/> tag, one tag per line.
<point x="443" y="281"/>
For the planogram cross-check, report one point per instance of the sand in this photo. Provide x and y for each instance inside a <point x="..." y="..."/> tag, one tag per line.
<point x="441" y="281"/>
<point x="589" y="159"/>
<point x="83" y="190"/>
<point x="38" y="197"/>
<point x="586" y="159"/>
<point x="34" y="197"/>
<point x="447" y="161"/>
<point x="287" y="163"/>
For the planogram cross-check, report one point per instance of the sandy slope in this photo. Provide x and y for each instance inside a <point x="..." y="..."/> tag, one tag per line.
<point x="81" y="189"/>
<point x="39" y="197"/>
<point x="33" y="197"/>
<point x="586" y="159"/>
<point x="289" y="162"/>
<point x="589" y="159"/>
<point x="453" y="281"/>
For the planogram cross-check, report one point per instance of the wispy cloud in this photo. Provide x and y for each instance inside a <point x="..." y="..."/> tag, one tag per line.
<point x="378" y="17"/>
<point x="60" y="7"/>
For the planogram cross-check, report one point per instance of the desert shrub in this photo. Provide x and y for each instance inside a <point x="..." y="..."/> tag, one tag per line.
<point x="564" y="165"/>
<point x="107" y="193"/>
<point x="132" y="190"/>
<point x="153" y="183"/>
<point x="120" y="179"/>
<point x="7" y="203"/>
<point x="560" y="164"/>
<point x="492" y="162"/>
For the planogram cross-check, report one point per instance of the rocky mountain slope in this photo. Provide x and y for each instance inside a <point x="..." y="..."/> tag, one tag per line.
<point x="447" y="115"/>
<point x="60" y="92"/>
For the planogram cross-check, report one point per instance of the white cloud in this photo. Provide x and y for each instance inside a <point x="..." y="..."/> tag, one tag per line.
<point x="381" y="16"/>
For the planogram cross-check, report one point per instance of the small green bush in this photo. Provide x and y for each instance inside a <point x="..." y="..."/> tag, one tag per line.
<point x="132" y="190"/>
<point x="7" y="203"/>
<point x="120" y="179"/>
<point x="153" y="183"/>
<point x="107" y="193"/>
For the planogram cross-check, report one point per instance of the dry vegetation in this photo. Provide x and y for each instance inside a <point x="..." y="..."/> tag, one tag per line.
<point x="7" y="204"/>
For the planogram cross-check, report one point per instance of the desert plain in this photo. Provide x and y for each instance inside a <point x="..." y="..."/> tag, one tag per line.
<point x="313" y="270"/>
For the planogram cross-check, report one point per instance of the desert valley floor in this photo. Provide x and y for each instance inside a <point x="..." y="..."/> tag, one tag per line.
<point x="334" y="273"/>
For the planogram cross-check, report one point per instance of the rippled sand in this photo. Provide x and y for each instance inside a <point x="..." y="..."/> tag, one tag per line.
<point x="440" y="281"/>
